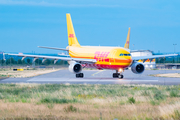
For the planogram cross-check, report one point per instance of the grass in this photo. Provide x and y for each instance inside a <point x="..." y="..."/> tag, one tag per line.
<point x="58" y="101"/>
<point x="3" y="76"/>
<point x="131" y="100"/>
<point x="46" y="101"/>
<point x="174" y="93"/>
<point x="70" y="108"/>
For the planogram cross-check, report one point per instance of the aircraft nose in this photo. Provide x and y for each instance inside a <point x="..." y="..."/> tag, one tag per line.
<point x="130" y="58"/>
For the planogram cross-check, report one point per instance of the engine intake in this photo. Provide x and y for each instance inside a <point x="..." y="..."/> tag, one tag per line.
<point x="137" y="68"/>
<point x="75" y="67"/>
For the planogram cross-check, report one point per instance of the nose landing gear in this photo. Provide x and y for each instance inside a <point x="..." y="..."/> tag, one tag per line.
<point x="80" y="75"/>
<point x="117" y="75"/>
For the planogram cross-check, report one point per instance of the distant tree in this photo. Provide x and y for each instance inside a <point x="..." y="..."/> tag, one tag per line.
<point x="157" y="60"/>
<point x="38" y="61"/>
<point x="12" y="61"/>
<point x="65" y="63"/>
<point x="52" y="62"/>
<point x="173" y="61"/>
<point x="2" y="62"/>
<point x="19" y="61"/>
<point x="28" y="61"/>
<point x="162" y="60"/>
<point x="23" y="62"/>
<point x="7" y="61"/>
<point x="61" y="62"/>
<point x="47" y="62"/>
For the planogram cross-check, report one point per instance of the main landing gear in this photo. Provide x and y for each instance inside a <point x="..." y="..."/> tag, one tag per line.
<point x="80" y="75"/>
<point x="117" y="75"/>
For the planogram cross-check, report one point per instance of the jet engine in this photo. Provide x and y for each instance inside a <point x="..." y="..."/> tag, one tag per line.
<point x="137" y="68"/>
<point x="75" y="67"/>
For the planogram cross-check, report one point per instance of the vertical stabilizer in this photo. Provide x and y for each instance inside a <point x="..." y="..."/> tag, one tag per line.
<point x="72" y="40"/>
<point x="127" y="40"/>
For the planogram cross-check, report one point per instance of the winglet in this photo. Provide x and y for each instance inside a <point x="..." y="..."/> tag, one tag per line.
<point x="128" y="39"/>
<point x="72" y="40"/>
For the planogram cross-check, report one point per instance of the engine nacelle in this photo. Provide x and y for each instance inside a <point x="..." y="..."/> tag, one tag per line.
<point x="137" y="68"/>
<point x="75" y="67"/>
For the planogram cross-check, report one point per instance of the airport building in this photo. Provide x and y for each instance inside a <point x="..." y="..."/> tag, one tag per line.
<point x="148" y="64"/>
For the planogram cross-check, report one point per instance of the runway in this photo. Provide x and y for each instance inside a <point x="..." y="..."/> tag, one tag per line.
<point x="99" y="77"/>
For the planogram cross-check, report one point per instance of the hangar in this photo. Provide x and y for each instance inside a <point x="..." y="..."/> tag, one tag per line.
<point x="148" y="64"/>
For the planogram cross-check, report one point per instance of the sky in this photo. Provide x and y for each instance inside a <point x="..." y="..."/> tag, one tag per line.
<point x="26" y="24"/>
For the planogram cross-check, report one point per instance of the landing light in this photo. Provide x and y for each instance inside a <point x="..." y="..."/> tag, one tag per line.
<point x="120" y="70"/>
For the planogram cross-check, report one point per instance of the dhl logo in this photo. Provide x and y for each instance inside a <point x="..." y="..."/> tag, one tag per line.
<point x="101" y="56"/>
<point x="71" y="35"/>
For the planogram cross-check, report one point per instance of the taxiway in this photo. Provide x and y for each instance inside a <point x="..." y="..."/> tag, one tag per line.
<point x="99" y="77"/>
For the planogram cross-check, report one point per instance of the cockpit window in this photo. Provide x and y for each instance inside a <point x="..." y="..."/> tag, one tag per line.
<point x="124" y="54"/>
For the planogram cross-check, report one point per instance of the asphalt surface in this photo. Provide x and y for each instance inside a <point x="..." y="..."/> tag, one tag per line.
<point x="99" y="77"/>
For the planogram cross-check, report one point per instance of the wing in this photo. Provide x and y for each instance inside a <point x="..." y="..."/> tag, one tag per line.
<point x="56" y="58"/>
<point x="152" y="57"/>
<point x="54" y="48"/>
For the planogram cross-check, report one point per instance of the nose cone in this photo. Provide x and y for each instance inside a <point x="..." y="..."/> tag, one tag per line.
<point x="130" y="60"/>
<point x="128" y="57"/>
<point x="123" y="57"/>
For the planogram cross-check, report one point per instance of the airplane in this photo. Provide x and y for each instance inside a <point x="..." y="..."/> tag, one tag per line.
<point x="112" y="58"/>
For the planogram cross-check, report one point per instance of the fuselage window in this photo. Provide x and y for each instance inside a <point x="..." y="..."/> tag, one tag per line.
<point x="121" y="54"/>
<point x="124" y="54"/>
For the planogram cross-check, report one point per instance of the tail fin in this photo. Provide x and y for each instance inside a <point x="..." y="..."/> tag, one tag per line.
<point x="72" y="40"/>
<point x="127" y="40"/>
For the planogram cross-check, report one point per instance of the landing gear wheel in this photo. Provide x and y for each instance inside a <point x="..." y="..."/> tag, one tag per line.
<point x="121" y="76"/>
<point x="80" y="75"/>
<point x="116" y="75"/>
<point x="77" y="75"/>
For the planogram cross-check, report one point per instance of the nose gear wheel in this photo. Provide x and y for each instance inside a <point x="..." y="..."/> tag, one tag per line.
<point x="117" y="75"/>
<point x="80" y="75"/>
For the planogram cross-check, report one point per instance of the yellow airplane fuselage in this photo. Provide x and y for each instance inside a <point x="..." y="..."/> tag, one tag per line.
<point x="107" y="57"/>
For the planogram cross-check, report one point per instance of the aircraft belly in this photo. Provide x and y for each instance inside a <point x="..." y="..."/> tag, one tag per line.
<point x="104" y="66"/>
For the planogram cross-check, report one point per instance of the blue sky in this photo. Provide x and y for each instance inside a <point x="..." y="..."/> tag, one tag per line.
<point x="26" y="24"/>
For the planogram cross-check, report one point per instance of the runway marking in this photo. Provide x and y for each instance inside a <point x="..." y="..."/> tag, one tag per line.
<point x="98" y="80"/>
<point x="98" y="72"/>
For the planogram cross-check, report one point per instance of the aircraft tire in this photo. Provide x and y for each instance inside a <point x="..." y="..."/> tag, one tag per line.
<point x="121" y="76"/>
<point x="77" y="75"/>
<point x="115" y="75"/>
<point x="81" y="75"/>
